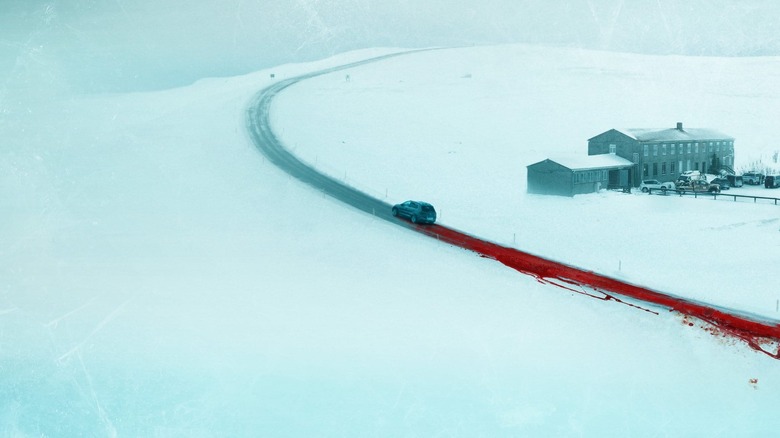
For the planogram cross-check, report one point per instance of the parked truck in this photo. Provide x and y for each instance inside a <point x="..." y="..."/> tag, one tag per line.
<point x="735" y="180"/>
<point x="753" y="178"/>
<point x="696" y="185"/>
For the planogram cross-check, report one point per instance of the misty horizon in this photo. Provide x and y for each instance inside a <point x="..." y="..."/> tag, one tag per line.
<point x="55" y="48"/>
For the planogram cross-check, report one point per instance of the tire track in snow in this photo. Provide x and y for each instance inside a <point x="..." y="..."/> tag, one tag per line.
<point x="761" y="334"/>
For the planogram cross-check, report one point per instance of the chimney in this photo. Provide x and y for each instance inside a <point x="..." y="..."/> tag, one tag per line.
<point x="679" y="126"/>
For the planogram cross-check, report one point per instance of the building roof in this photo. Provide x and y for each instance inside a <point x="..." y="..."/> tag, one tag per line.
<point x="587" y="162"/>
<point x="675" y="134"/>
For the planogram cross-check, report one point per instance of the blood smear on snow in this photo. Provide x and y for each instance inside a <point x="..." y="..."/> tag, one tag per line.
<point x="759" y="335"/>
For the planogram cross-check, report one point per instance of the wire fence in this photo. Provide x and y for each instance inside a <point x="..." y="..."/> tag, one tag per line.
<point x="715" y="195"/>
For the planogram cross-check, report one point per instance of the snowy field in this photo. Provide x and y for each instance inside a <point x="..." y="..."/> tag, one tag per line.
<point x="160" y="278"/>
<point x="459" y="131"/>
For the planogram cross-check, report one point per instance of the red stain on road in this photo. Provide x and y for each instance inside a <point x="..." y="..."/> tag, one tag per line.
<point x="763" y="336"/>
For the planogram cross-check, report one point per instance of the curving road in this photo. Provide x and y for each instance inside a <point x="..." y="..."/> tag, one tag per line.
<point x="761" y="334"/>
<point x="267" y="142"/>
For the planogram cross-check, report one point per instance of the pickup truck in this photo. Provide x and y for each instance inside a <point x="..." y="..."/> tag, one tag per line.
<point x="696" y="185"/>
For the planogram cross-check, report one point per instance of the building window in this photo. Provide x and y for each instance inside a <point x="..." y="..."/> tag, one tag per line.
<point x="710" y="147"/>
<point x="603" y="175"/>
<point x="663" y="149"/>
<point x="655" y="169"/>
<point x="696" y="164"/>
<point x="663" y="168"/>
<point x="655" y="150"/>
<point x="689" y="147"/>
<point x="612" y="149"/>
<point x="673" y="151"/>
<point x="646" y="149"/>
<point x="644" y="170"/>
<point x="672" y="169"/>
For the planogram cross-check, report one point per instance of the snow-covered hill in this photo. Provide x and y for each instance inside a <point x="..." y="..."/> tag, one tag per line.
<point x="159" y="278"/>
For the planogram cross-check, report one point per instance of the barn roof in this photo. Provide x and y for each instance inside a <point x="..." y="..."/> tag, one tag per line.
<point x="587" y="162"/>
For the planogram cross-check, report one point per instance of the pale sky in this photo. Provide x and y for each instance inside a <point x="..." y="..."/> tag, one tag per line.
<point x="86" y="45"/>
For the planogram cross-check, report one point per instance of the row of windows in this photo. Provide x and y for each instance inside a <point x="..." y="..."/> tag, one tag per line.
<point x="590" y="176"/>
<point x="690" y="148"/>
<point x="673" y="167"/>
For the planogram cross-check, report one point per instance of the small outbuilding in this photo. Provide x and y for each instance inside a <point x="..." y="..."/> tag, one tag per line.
<point x="578" y="175"/>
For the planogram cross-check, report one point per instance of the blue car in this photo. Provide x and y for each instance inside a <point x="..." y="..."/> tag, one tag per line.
<point x="416" y="211"/>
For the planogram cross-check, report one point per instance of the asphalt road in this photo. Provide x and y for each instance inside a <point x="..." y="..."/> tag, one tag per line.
<point x="266" y="141"/>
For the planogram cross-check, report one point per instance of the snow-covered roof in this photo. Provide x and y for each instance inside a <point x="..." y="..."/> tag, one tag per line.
<point x="674" y="134"/>
<point x="585" y="162"/>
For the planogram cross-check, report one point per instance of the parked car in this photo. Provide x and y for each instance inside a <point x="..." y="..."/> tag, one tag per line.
<point x="697" y="185"/>
<point x="416" y="211"/>
<point x="691" y="174"/>
<point x="772" y="181"/>
<point x="753" y="178"/>
<point x="688" y="176"/>
<point x="723" y="183"/>
<point x="735" y="180"/>
<point x="654" y="184"/>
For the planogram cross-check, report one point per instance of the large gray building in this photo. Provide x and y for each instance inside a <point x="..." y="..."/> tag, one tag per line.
<point x="664" y="154"/>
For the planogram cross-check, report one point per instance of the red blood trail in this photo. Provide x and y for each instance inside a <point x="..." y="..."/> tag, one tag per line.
<point x="763" y="336"/>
